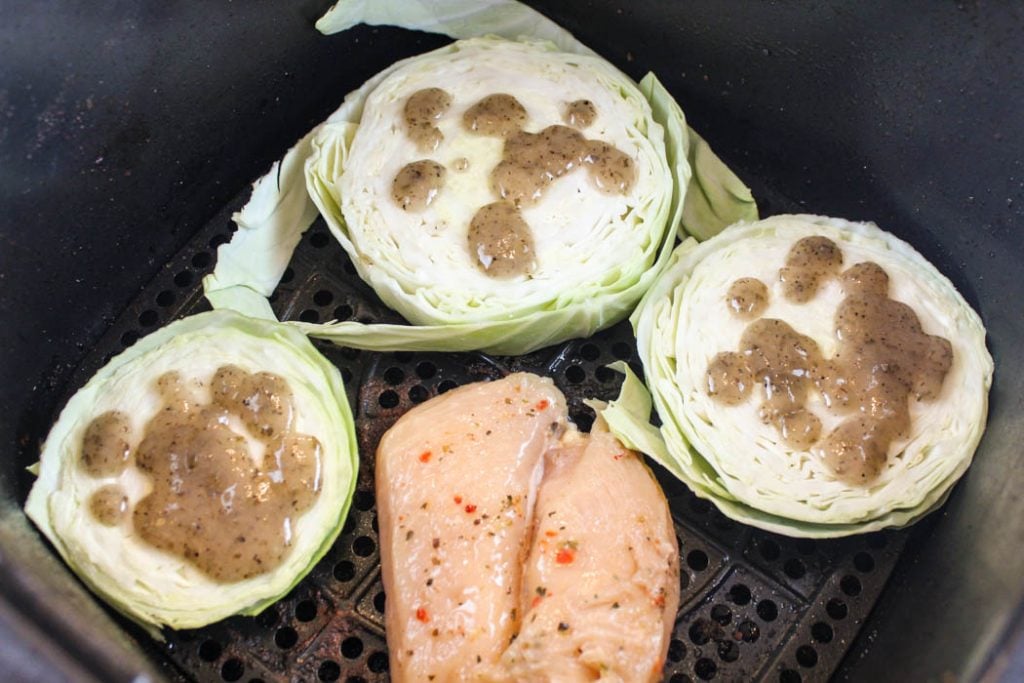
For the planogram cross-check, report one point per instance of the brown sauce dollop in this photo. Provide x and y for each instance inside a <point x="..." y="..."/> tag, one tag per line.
<point x="106" y="451"/>
<point x="580" y="113"/>
<point x="747" y="298"/>
<point x="209" y="503"/>
<point x="729" y="378"/>
<point x="109" y="505"/>
<point x="532" y="161"/>
<point x="811" y="261"/>
<point x="421" y="113"/>
<point x="501" y="241"/>
<point x="497" y="115"/>
<point x="781" y="360"/>
<point x="882" y="359"/>
<point x="416" y="185"/>
<point x="610" y="168"/>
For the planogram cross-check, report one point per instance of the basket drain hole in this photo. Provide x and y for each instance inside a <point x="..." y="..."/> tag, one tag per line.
<point x="344" y="571"/>
<point x="232" y="670"/>
<point x="305" y="610"/>
<point x="622" y="350"/>
<point x="822" y="632"/>
<point x="702" y="631"/>
<point x="739" y="594"/>
<point x="377" y="662"/>
<point x="286" y="637"/>
<point x="806" y="656"/>
<point x="836" y="609"/>
<point x="767" y="610"/>
<point x="794" y="568"/>
<point x="575" y="374"/>
<point x="209" y="651"/>
<point x="705" y="669"/>
<point x="363" y="500"/>
<point x="697" y="560"/>
<point x="329" y="671"/>
<point x="363" y="546"/>
<point x="425" y="369"/>
<point x="728" y="651"/>
<point x="747" y="631"/>
<point x="351" y="648"/>
<point x="394" y="376"/>
<point x="590" y="352"/>
<point x="850" y="585"/>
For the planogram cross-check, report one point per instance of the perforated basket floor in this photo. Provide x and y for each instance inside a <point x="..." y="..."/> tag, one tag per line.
<point x="754" y="606"/>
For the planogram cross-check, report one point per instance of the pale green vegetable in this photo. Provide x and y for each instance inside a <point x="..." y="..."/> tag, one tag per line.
<point x="597" y="253"/>
<point x="589" y="290"/>
<point x="726" y="454"/>
<point x="269" y="228"/>
<point x="153" y="587"/>
<point x="454" y="18"/>
<point x="715" y="196"/>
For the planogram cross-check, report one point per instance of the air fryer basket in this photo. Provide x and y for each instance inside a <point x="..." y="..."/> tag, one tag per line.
<point x="755" y="606"/>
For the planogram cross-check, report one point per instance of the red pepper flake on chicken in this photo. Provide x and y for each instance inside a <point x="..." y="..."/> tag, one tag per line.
<point x="548" y="574"/>
<point x="465" y="575"/>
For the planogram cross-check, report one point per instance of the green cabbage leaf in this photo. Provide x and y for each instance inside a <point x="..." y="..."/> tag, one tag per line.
<point x="146" y="584"/>
<point x="249" y="267"/>
<point x="726" y="454"/>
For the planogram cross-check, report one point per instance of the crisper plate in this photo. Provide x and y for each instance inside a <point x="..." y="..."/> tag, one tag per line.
<point x="754" y="605"/>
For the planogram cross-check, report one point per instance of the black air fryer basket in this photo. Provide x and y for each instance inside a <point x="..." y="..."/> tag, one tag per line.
<point x="129" y="133"/>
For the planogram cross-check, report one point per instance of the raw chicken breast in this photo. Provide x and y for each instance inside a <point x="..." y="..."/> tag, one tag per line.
<point x="456" y="479"/>
<point x="601" y="585"/>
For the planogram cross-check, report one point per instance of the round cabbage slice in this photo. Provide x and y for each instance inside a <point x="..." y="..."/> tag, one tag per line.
<point x="595" y="251"/>
<point x="726" y="453"/>
<point x="158" y="588"/>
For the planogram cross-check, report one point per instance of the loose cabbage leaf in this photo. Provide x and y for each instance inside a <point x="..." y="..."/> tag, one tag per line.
<point x="454" y="18"/>
<point x="716" y="197"/>
<point x="270" y="225"/>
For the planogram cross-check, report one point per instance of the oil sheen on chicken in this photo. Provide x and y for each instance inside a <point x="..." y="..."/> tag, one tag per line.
<point x="514" y="548"/>
<point x="456" y="479"/>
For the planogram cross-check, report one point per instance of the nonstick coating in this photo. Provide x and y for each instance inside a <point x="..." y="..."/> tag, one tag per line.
<point x="127" y="128"/>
